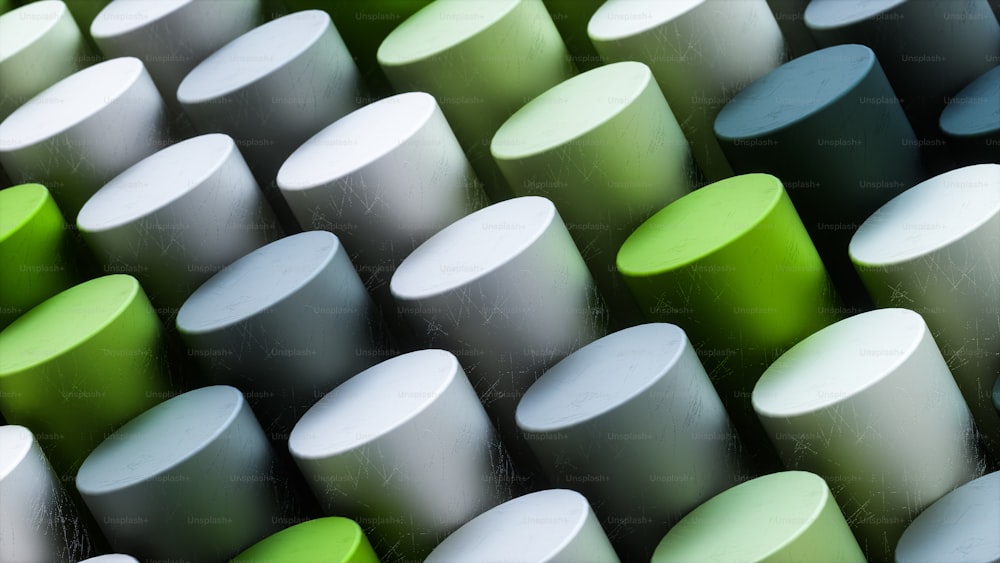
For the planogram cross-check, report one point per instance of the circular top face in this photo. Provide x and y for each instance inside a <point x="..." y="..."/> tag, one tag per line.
<point x="43" y="333"/>
<point x="372" y="403"/>
<point x="111" y="558"/>
<point x="699" y="224"/>
<point x="69" y="102"/>
<point x="600" y="377"/>
<point x="159" y="439"/>
<point x="831" y="14"/>
<point x="257" y="281"/>
<point x="748" y="522"/>
<point x="976" y="109"/>
<point x="929" y="216"/>
<point x="18" y="205"/>
<point x="472" y="247"/>
<point x="838" y="362"/>
<point x="548" y="518"/>
<point x="356" y="140"/>
<point x="15" y="443"/>
<point x="331" y="538"/>
<point x="570" y="109"/>
<point x="960" y="526"/>
<point x="253" y="55"/>
<point x="155" y="182"/>
<point x="620" y="19"/>
<point x="440" y="26"/>
<point x="124" y="16"/>
<point x="25" y="25"/>
<point x="794" y="91"/>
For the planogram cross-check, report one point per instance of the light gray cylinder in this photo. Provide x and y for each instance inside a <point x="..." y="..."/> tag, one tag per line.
<point x="406" y="450"/>
<point x="960" y="526"/>
<point x="505" y="290"/>
<point x="383" y="179"/>
<point x="41" y="46"/>
<point x="935" y="249"/>
<point x="177" y="217"/>
<point x="194" y="478"/>
<point x="868" y="404"/>
<point x="84" y="130"/>
<point x="633" y="422"/>
<point x="112" y="558"/>
<point x="286" y="324"/>
<point x="171" y="37"/>
<point x="273" y="88"/>
<point x="702" y="52"/>
<point x="38" y="520"/>
<point x="546" y="526"/>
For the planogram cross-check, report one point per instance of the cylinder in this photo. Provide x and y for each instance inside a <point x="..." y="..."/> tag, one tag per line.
<point x="482" y="61"/>
<point x="732" y="264"/>
<point x="701" y="52"/>
<point x="406" y="450"/>
<point x="633" y="157"/>
<point x="193" y="478"/>
<point x="273" y="88"/>
<point x="285" y="324"/>
<point x="36" y="255"/>
<point x="38" y="520"/>
<point x="41" y="46"/>
<point x="383" y="179"/>
<point x="802" y="122"/>
<point x="171" y="37"/>
<point x="81" y="364"/>
<point x="868" y="404"/>
<point x="960" y="526"/>
<point x="111" y="558"/>
<point x="324" y="539"/>
<point x="971" y="123"/>
<point x="506" y="291"/>
<point x="785" y="516"/>
<point x="548" y="525"/>
<point x="935" y="249"/>
<point x="632" y="422"/>
<point x="177" y="217"/>
<point x="953" y="41"/>
<point x="84" y="130"/>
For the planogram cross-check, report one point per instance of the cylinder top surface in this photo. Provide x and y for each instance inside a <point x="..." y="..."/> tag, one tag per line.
<point x="794" y="91"/>
<point x="25" y="25"/>
<point x="829" y="14"/>
<point x="570" y="109"/>
<point x="121" y="17"/>
<point x="929" y="216"/>
<point x="68" y="102"/>
<point x="838" y="362"/>
<point x="976" y="109"/>
<point x="619" y="19"/>
<point x="159" y="439"/>
<point x="15" y="443"/>
<point x="18" y="204"/>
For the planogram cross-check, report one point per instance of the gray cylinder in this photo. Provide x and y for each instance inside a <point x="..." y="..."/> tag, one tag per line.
<point x="193" y="478"/>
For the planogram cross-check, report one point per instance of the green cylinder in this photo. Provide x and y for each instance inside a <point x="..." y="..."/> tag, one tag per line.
<point x="331" y="539"/>
<point x="34" y="259"/>
<point x="731" y="264"/>
<point x="783" y="517"/>
<point x="80" y="364"/>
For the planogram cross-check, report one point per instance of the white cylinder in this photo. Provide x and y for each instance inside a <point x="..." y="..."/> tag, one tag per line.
<point x="84" y="130"/>
<point x="177" y="217"/>
<point x="868" y="404"/>
<point x="194" y="478"/>
<point x="171" y="36"/>
<point x="545" y="526"/>
<point x="633" y="422"/>
<point x="383" y="179"/>
<point x="41" y="46"/>
<point x="702" y="52"/>
<point x="272" y="88"/>
<point x="406" y="450"/>
<point x="38" y="520"/>
<point x="935" y="249"/>
<point x="506" y="291"/>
